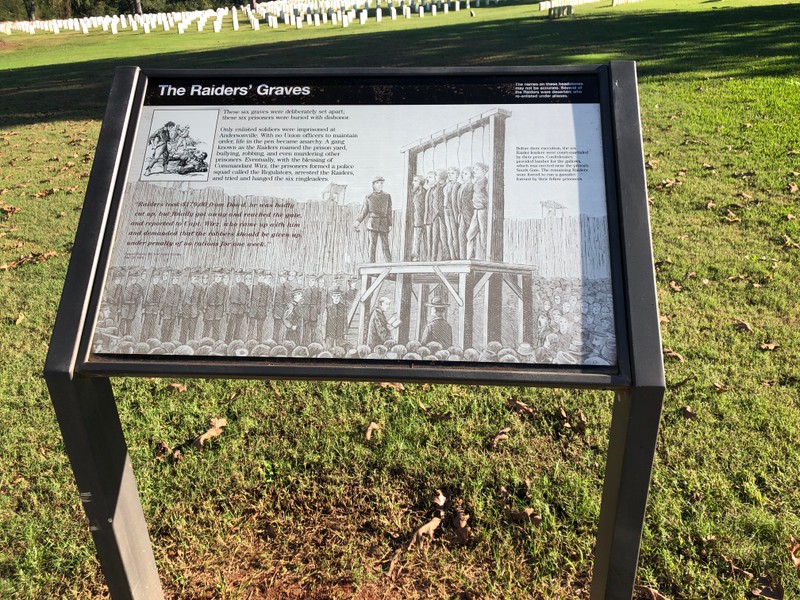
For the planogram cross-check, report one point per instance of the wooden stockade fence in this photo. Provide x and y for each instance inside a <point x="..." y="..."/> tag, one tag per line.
<point x="327" y="239"/>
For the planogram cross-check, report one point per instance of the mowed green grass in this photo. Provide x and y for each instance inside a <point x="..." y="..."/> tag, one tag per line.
<point x="292" y="500"/>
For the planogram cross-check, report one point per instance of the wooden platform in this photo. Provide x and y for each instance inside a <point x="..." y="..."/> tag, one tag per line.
<point x="465" y="281"/>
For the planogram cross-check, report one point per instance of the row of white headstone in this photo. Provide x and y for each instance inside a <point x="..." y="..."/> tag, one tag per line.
<point x="548" y="4"/>
<point x="289" y="12"/>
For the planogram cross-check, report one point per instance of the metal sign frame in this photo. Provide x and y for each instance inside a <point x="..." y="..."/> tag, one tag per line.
<point x="81" y="392"/>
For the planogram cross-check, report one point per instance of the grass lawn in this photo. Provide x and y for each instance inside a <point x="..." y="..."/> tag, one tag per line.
<point x="292" y="500"/>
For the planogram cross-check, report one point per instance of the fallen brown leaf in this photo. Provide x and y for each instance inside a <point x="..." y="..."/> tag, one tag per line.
<point x="654" y="594"/>
<point x="744" y="326"/>
<point x="670" y="353"/>
<point x="176" y="387"/>
<point x="768" y="346"/>
<point x="526" y="515"/>
<point x="501" y="436"/>
<point x="520" y="406"/>
<point x="425" y="532"/>
<point x="216" y="429"/>
<point x="793" y="554"/>
<point x="688" y="413"/>
<point x="459" y="522"/>
<point x="735" y="569"/>
<point x="373" y="428"/>
<point x="162" y="450"/>
<point x="394" y="565"/>
<point x="792" y="187"/>
<point x="767" y="588"/>
<point x="391" y="385"/>
<point x="676" y="287"/>
<point x="721" y="389"/>
<point x="20" y="318"/>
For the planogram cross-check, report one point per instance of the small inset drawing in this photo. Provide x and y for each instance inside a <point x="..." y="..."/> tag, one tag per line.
<point x="179" y="145"/>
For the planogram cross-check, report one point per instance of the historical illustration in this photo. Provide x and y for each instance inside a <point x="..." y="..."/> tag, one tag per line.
<point x="470" y="233"/>
<point x="179" y="145"/>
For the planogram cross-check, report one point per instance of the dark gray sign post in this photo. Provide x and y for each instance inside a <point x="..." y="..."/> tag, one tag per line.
<point x="474" y="226"/>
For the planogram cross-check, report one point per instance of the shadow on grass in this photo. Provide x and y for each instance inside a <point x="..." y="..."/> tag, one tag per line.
<point x="751" y="41"/>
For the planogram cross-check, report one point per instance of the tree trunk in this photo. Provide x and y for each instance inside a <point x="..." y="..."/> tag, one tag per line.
<point x="137" y="7"/>
<point x="30" y="9"/>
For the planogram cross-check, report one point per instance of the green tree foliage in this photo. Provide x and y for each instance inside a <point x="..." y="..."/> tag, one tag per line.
<point x="12" y="10"/>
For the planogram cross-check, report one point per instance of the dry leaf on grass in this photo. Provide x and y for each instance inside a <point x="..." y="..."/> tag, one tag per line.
<point x="527" y="515"/>
<point x="735" y="569"/>
<point x="425" y="532"/>
<point x="794" y="549"/>
<point x="394" y="566"/>
<point x="20" y="318"/>
<point x="34" y="257"/>
<point x="688" y="413"/>
<point x="721" y="388"/>
<point x="744" y="326"/>
<point x="215" y="430"/>
<point x="789" y="242"/>
<point x="769" y="346"/>
<point x="519" y="406"/>
<point x="459" y="521"/>
<point x="767" y="588"/>
<point x="162" y="450"/>
<point x="501" y="436"/>
<point x="392" y="385"/>
<point x="793" y="189"/>
<point x="654" y="594"/>
<point x="373" y="428"/>
<point x="176" y="387"/>
<point x="670" y="353"/>
<point x="676" y="287"/>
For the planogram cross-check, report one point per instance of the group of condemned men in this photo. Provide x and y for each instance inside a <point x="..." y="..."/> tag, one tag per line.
<point x="450" y="214"/>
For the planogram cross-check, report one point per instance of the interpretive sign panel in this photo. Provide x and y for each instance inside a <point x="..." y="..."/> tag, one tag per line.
<point x="449" y="225"/>
<point x="461" y="218"/>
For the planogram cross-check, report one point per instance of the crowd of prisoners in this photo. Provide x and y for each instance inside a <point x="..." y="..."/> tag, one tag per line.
<point x="219" y="312"/>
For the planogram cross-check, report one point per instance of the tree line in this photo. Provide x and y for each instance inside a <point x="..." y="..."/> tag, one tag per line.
<point x="29" y="10"/>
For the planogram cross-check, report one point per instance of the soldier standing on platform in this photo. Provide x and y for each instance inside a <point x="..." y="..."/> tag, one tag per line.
<point x="190" y="308"/>
<point x="377" y="211"/>
<point x="170" y="309"/>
